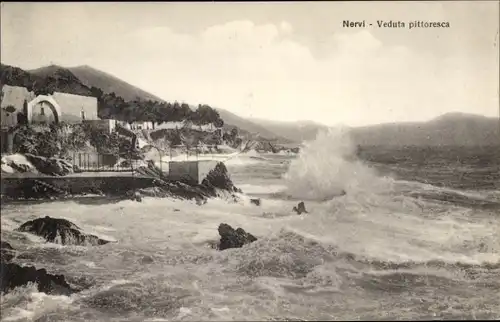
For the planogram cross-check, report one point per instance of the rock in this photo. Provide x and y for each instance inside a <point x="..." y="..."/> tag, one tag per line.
<point x="301" y="208"/>
<point x="17" y="163"/>
<point x="14" y="275"/>
<point x="134" y="195"/>
<point x="255" y="201"/>
<point x="217" y="183"/>
<point x="200" y="201"/>
<point x="219" y="178"/>
<point x="6" y="252"/>
<point x="50" y="166"/>
<point x="230" y="238"/>
<point x="21" y="167"/>
<point x="147" y="260"/>
<point x="138" y="197"/>
<point x="153" y="192"/>
<point x="59" y="231"/>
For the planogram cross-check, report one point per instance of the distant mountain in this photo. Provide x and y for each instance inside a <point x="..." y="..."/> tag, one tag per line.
<point x="293" y="131"/>
<point x="232" y="120"/>
<point x="450" y="129"/>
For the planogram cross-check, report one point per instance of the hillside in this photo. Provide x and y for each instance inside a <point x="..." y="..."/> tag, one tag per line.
<point x="109" y="83"/>
<point x="451" y="129"/>
<point x="293" y="131"/>
<point x="91" y="77"/>
<point x="10" y="75"/>
<point x="44" y="81"/>
<point x="232" y="120"/>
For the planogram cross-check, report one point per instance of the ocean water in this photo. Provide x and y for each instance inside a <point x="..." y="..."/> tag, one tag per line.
<point x="416" y="236"/>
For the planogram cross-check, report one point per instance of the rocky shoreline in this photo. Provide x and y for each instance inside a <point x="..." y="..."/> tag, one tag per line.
<point x="38" y="178"/>
<point x="217" y="183"/>
<point x="54" y="230"/>
<point x="64" y="232"/>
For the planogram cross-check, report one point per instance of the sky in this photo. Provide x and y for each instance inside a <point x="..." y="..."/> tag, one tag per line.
<point x="282" y="61"/>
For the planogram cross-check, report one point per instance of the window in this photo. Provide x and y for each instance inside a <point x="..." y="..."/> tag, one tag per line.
<point x="42" y="111"/>
<point x="82" y="113"/>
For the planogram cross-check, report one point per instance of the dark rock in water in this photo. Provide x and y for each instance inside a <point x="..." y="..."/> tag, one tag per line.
<point x="200" y="201"/>
<point x="301" y="208"/>
<point x="219" y="178"/>
<point x="147" y="260"/>
<point x="14" y="275"/>
<point x="52" y="228"/>
<point x="7" y="252"/>
<point x="230" y="238"/>
<point x="50" y="166"/>
<point x="255" y="201"/>
<point x="134" y="195"/>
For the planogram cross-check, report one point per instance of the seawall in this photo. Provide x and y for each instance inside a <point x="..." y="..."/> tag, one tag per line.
<point x="115" y="184"/>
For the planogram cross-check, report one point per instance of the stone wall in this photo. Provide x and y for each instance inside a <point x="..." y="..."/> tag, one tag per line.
<point x="190" y="171"/>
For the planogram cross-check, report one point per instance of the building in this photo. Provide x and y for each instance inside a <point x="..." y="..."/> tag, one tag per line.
<point x="14" y="101"/>
<point x="138" y="125"/>
<point x="19" y="105"/>
<point x="43" y="109"/>
<point x="76" y="108"/>
<point x="209" y="127"/>
<point x="142" y="125"/>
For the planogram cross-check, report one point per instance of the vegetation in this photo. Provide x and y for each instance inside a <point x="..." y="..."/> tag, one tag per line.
<point x="58" y="140"/>
<point x="232" y="138"/>
<point x="113" y="106"/>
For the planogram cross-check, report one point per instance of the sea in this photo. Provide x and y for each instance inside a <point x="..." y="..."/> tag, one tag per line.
<point x="416" y="236"/>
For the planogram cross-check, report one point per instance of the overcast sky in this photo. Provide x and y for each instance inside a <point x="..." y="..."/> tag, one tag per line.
<point x="281" y="61"/>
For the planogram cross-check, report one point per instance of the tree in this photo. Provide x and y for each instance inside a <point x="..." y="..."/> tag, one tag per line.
<point x="96" y="92"/>
<point x="175" y="139"/>
<point x="234" y="133"/>
<point x="219" y="123"/>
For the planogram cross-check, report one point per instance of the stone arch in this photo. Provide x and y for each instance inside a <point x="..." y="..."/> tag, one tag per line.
<point x="56" y="109"/>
